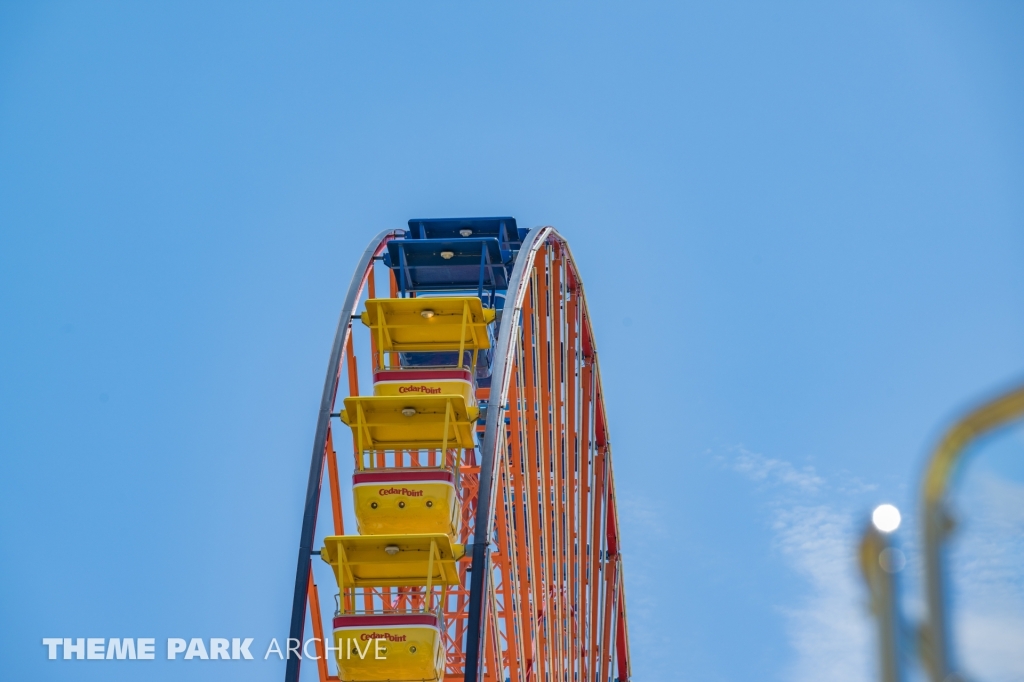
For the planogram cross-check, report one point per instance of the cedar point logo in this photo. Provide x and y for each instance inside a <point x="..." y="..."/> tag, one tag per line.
<point x="400" y="491"/>
<point x="419" y="389"/>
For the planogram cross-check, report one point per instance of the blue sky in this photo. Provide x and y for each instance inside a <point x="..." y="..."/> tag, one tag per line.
<point x="812" y="211"/>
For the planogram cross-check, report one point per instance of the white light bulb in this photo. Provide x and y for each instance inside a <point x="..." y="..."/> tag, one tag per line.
<point x="886" y="518"/>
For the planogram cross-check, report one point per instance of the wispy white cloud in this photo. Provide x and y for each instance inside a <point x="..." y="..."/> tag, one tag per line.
<point x="813" y="526"/>
<point x="987" y="581"/>
<point x="770" y="471"/>
<point x="827" y="628"/>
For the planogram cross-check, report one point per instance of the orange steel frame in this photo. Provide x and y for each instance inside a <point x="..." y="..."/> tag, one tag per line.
<point x="556" y="574"/>
<point x="553" y="604"/>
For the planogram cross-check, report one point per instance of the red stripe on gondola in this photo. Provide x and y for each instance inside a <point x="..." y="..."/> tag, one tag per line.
<point x="423" y="375"/>
<point x="395" y="620"/>
<point x="403" y="476"/>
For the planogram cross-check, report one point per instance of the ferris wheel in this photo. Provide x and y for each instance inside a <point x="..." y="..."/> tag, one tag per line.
<point x="485" y="543"/>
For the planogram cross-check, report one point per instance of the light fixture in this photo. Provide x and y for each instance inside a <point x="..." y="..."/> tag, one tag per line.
<point x="465" y="232"/>
<point x="408" y="411"/>
<point x="886" y="518"/>
<point x="391" y="550"/>
<point x="447" y="255"/>
<point x="426" y="314"/>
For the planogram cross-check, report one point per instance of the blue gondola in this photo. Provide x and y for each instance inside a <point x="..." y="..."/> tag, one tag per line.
<point x="465" y="264"/>
<point x="504" y="229"/>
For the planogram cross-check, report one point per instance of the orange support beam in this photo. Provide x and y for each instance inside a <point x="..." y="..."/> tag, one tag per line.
<point x="335" y="484"/>
<point x="611" y="581"/>
<point x="586" y="512"/>
<point x="624" y="671"/>
<point x="318" y="626"/>
<point x="351" y="368"/>
<point x="573" y="482"/>
<point x="530" y="496"/>
<point x="543" y="377"/>
<point x="596" y="560"/>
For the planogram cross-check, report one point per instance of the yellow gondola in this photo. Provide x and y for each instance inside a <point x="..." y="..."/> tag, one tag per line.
<point x="389" y="647"/>
<point x="393" y="560"/>
<point x="402" y="638"/>
<point x="428" y="324"/>
<point x="446" y="335"/>
<point x="405" y="499"/>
